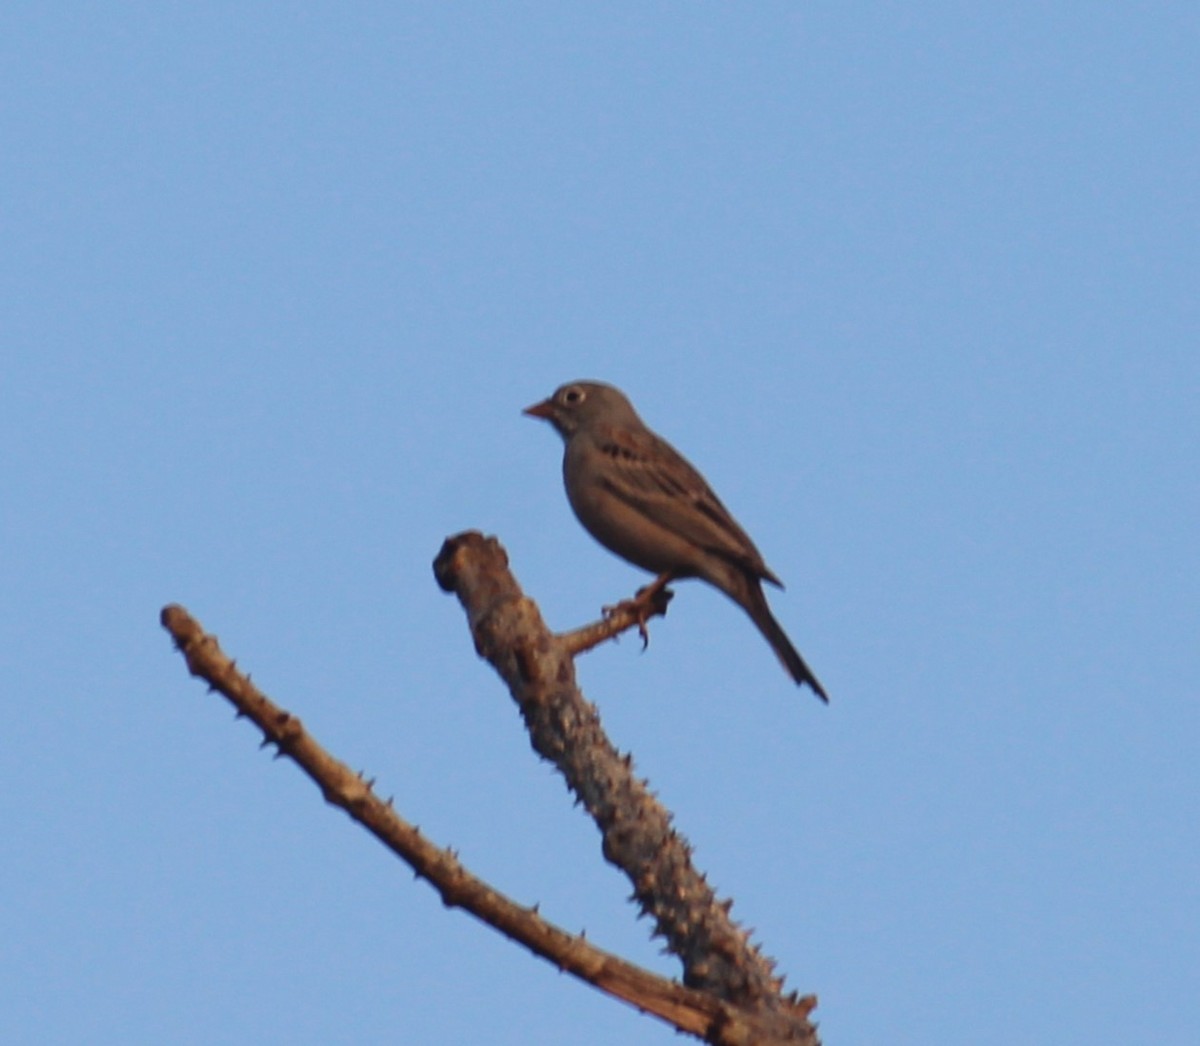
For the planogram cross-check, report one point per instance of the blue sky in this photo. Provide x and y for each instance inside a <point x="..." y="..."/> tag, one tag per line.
<point x="915" y="287"/>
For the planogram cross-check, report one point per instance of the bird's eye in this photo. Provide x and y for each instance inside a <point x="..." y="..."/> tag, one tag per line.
<point x="573" y="395"/>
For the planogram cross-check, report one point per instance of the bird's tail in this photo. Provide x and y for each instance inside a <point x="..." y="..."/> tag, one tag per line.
<point x="756" y="606"/>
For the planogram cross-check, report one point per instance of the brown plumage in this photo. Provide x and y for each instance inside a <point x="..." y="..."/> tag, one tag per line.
<point x="640" y="498"/>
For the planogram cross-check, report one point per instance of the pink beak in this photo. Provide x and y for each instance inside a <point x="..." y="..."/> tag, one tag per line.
<point x="545" y="409"/>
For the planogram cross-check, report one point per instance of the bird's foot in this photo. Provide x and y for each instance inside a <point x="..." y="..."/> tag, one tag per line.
<point x="636" y="608"/>
<point x="651" y="599"/>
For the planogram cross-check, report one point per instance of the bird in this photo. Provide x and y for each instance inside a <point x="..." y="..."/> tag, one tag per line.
<point x="642" y="500"/>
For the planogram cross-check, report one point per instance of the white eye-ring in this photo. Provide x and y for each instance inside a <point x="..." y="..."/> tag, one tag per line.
<point x="573" y="395"/>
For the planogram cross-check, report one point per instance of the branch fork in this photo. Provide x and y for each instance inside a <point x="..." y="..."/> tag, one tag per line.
<point x="730" y="994"/>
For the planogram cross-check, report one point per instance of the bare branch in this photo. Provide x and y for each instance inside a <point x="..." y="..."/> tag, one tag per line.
<point x="508" y="630"/>
<point x="731" y="997"/>
<point x="682" y="1007"/>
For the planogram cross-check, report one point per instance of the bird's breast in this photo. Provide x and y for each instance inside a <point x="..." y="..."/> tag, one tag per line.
<point x="619" y="525"/>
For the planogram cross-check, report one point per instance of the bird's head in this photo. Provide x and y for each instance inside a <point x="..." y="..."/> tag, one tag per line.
<point x="582" y="404"/>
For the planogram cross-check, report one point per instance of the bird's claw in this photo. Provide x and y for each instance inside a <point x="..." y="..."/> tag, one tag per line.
<point x="644" y="632"/>
<point x="641" y="607"/>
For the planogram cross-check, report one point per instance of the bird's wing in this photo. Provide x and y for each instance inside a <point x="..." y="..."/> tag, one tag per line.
<point x="651" y="476"/>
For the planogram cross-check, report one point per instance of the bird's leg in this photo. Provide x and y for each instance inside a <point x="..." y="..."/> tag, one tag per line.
<point x="650" y="600"/>
<point x="647" y="593"/>
<point x="644" y="603"/>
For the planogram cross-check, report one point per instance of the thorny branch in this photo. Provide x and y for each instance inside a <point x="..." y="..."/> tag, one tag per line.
<point x="730" y="994"/>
